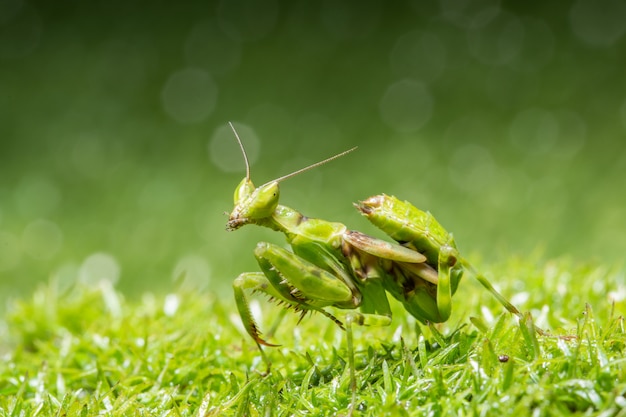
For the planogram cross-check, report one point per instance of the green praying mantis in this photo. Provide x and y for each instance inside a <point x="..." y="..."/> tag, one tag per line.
<point x="332" y="266"/>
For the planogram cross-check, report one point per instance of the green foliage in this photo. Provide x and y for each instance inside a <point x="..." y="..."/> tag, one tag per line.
<point x="90" y="351"/>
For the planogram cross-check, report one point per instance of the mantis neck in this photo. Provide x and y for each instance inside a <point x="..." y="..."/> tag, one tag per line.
<point x="284" y="220"/>
<point x="297" y="227"/>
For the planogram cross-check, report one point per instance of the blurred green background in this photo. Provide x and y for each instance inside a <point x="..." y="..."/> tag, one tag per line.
<point x="507" y="120"/>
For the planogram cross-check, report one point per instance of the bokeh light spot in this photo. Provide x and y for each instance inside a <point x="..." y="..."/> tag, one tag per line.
<point x="208" y="47"/>
<point x="36" y="196"/>
<point x="534" y="131"/>
<point x="189" y="95"/>
<point x="224" y="151"/>
<point x="406" y="106"/>
<point x="247" y="20"/>
<point x="171" y="304"/>
<point x="598" y="22"/>
<point x="10" y="251"/>
<point x="42" y="239"/>
<point x="418" y="55"/>
<point x="99" y="267"/>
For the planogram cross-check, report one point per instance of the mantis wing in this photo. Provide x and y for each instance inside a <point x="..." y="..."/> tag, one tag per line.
<point x="383" y="249"/>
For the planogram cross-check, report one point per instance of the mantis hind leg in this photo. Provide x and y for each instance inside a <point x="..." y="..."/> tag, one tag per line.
<point x="502" y="300"/>
<point x="485" y="283"/>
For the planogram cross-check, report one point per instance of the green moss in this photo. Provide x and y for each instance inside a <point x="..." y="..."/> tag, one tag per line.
<point x="88" y="351"/>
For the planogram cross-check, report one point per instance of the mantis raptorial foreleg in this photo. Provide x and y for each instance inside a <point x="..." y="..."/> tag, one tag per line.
<point x="287" y="279"/>
<point x="299" y="284"/>
<point x="445" y="262"/>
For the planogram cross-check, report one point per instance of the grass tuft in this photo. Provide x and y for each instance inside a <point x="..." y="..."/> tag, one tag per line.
<point x="90" y="351"/>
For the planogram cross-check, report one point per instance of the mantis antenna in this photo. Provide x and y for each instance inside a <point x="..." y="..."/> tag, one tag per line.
<point x="315" y="165"/>
<point x="243" y="151"/>
<point x="293" y="174"/>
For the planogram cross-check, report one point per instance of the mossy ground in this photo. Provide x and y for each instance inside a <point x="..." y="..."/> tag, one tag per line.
<point x="91" y="351"/>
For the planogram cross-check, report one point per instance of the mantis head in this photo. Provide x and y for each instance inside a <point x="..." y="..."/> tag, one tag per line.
<point x="253" y="204"/>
